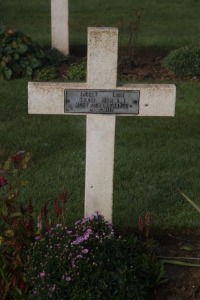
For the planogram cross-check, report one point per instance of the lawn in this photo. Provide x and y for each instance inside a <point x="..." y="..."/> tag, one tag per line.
<point x="153" y="156"/>
<point x="163" y="23"/>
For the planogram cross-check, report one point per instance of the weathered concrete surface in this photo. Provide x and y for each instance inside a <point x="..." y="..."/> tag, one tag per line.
<point x="48" y="98"/>
<point x="100" y="136"/>
<point x="59" y="26"/>
<point x="155" y="99"/>
<point x="102" y="58"/>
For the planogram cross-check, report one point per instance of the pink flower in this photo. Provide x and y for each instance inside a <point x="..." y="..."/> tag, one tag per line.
<point x="67" y="278"/>
<point x="78" y="240"/>
<point x="84" y="221"/>
<point x="42" y="274"/>
<point x="58" y="225"/>
<point x="85" y="251"/>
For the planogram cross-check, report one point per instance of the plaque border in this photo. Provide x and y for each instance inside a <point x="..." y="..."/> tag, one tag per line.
<point x="103" y="113"/>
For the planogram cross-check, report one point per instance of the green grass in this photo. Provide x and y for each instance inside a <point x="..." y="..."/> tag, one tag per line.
<point x="167" y="24"/>
<point x="153" y="156"/>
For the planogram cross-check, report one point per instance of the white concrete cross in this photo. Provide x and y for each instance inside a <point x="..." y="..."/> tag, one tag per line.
<point x="60" y="26"/>
<point x="48" y="98"/>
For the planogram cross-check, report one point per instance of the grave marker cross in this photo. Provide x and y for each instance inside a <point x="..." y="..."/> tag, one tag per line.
<point x="60" y="26"/>
<point x="48" y="98"/>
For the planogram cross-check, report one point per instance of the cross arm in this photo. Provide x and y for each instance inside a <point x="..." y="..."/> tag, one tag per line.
<point x="155" y="99"/>
<point x="48" y="97"/>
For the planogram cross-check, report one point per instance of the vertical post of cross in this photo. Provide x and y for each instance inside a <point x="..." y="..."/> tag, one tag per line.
<point x="59" y="26"/>
<point x="100" y="133"/>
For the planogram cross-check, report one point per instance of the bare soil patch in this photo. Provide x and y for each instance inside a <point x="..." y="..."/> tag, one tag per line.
<point x="147" y="65"/>
<point x="183" y="282"/>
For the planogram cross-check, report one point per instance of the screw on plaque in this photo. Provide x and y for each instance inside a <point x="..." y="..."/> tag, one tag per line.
<point x="69" y="107"/>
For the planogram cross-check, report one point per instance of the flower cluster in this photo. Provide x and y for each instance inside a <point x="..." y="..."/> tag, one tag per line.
<point x="63" y="257"/>
<point x="91" y="262"/>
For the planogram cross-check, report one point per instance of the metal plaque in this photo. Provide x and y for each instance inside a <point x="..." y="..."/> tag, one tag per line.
<point x="101" y="101"/>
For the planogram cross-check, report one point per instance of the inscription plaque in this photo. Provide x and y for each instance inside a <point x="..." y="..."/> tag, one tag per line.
<point x="101" y="101"/>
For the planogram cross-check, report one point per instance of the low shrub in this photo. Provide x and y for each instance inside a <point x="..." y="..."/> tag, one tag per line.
<point x="46" y="73"/>
<point x="184" y="61"/>
<point x="77" y="72"/>
<point x="91" y="262"/>
<point x="19" y="55"/>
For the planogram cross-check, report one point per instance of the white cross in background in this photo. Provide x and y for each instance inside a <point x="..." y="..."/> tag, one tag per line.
<point x="60" y="26"/>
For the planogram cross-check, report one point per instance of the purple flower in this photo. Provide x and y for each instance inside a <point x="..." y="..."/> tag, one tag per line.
<point x="84" y="220"/>
<point x="78" y="240"/>
<point x="42" y="274"/>
<point x="58" y="225"/>
<point x="91" y="217"/>
<point x="85" y="251"/>
<point x="67" y="278"/>
<point x="87" y="234"/>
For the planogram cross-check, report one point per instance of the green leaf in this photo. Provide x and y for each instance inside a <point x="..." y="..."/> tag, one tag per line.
<point x="25" y="160"/>
<point x="2" y="274"/>
<point x="6" y="165"/>
<point x="14" y="171"/>
<point x="24" y="63"/>
<point x="22" y="48"/>
<point x="8" y="49"/>
<point x="29" y="71"/>
<point x="180" y="263"/>
<point x="2" y="28"/>
<point x="35" y="63"/>
<point x="3" y="64"/>
<point x="188" y="248"/>
<point x="7" y="73"/>
<point x="14" y="44"/>
<point x="16" y="56"/>
<point x="18" y="290"/>
<point x="16" y="214"/>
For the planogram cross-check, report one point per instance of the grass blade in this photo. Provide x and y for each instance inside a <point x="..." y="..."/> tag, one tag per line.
<point x="190" y="201"/>
<point x="180" y="263"/>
